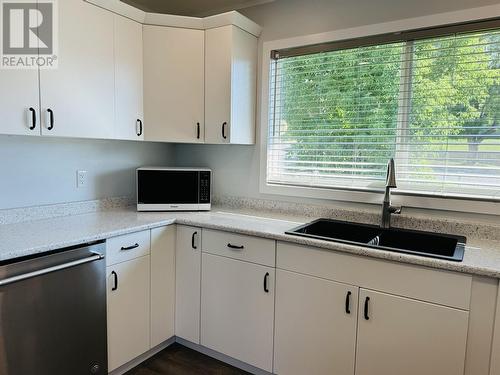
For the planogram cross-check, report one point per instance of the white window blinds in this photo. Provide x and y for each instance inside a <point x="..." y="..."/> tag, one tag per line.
<point x="433" y="104"/>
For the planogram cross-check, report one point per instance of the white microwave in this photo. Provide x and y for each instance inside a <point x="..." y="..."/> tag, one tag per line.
<point x="174" y="189"/>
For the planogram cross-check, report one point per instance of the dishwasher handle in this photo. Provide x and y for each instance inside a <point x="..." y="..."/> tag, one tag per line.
<point x="29" y="275"/>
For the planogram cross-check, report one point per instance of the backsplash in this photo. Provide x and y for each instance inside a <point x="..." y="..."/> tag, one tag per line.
<point x="19" y="215"/>
<point x="269" y="208"/>
<point x="468" y="228"/>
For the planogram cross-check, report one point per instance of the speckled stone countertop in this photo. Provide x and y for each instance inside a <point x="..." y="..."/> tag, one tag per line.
<point x="482" y="257"/>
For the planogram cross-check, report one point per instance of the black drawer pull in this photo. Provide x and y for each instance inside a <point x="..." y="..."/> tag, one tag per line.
<point x="198" y="130"/>
<point x="367" y="301"/>
<point x="224" y="130"/>
<point x="266" y="279"/>
<point x="115" y="276"/>
<point x="33" y="118"/>
<point x="139" y="133"/>
<point x="348" y="303"/>
<point x="51" y="121"/>
<point x="192" y="240"/>
<point x="236" y="247"/>
<point x="130" y="247"/>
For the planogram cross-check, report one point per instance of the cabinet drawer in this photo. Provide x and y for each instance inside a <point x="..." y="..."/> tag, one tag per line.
<point x="126" y="247"/>
<point x="238" y="246"/>
<point x="437" y="286"/>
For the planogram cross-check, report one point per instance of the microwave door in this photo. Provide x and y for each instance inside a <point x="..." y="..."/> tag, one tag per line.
<point x="165" y="190"/>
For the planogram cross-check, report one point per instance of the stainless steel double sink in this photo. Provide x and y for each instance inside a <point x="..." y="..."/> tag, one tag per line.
<point x="427" y="244"/>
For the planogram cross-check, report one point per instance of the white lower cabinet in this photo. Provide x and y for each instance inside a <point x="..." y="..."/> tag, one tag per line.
<point x="315" y="325"/>
<point x="398" y="335"/>
<point x="162" y="284"/>
<point x="140" y="278"/>
<point x="187" y="283"/>
<point x="128" y="286"/>
<point x="237" y="309"/>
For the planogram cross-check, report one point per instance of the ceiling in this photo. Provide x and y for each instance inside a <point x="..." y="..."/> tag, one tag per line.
<point x="193" y="8"/>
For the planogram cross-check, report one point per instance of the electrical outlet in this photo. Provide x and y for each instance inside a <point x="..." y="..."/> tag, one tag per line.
<point x="81" y="179"/>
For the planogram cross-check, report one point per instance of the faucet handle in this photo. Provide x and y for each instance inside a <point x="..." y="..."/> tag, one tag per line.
<point x="390" y="181"/>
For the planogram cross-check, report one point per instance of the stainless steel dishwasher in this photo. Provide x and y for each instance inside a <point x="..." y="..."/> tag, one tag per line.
<point x="53" y="313"/>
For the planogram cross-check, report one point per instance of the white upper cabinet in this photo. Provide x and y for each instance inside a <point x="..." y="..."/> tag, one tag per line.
<point x="398" y="335"/>
<point x="230" y="85"/>
<point x="19" y="102"/>
<point x="173" y="84"/>
<point x="129" y="117"/>
<point x="77" y="98"/>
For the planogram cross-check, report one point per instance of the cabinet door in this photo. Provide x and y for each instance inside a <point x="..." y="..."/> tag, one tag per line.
<point x="173" y="84"/>
<point x="218" y="62"/>
<point x="128" y="286"/>
<point x="187" y="283"/>
<point x="230" y="85"/>
<point x="315" y="329"/>
<point x="398" y="335"/>
<point x="128" y="80"/>
<point x="19" y="105"/>
<point x="237" y="309"/>
<point x="162" y="284"/>
<point x="80" y="92"/>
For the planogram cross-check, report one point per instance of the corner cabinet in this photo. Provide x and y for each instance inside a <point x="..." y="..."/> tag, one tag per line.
<point x="162" y="284"/>
<point x="173" y="84"/>
<point x="230" y="85"/>
<point x="187" y="283"/>
<point x="200" y="85"/>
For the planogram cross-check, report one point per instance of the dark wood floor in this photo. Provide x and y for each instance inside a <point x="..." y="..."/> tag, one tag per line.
<point x="179" y="360"/>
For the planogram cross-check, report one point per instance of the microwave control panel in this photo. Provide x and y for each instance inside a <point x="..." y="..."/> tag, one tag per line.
<point x="205" y="187"/>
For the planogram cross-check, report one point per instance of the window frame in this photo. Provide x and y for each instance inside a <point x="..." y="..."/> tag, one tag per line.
<point x="434" y="25"/>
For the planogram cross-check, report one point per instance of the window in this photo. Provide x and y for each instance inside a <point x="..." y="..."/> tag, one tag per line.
<point x="430" y="99"/>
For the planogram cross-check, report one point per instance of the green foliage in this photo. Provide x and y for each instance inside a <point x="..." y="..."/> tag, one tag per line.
<point x="344" y="113"/>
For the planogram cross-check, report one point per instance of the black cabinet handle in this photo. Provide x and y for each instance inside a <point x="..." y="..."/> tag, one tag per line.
<point x="33" y="118"/>
<point x="348" y="303"/>
<point x="140" y="127"/>
<point x="192" y="241"/>
<point x="198" y="130"/>
<point x="224" y="130"/>
<point x="367" y="301"/>
<point x="235" y="247"/>
<point x="266" y="279"/>
<point x="135" y="246"/>
<point x="115" y="276"/>
<point x="51" y="121"/>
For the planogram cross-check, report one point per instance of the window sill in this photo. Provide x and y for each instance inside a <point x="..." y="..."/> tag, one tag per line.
<point x="413" y="200"/>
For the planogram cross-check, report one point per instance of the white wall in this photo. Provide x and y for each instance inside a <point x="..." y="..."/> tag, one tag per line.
<point x="236" y="168"/>
<point x="37" y="171"/>
<point x="289" y="18"/>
